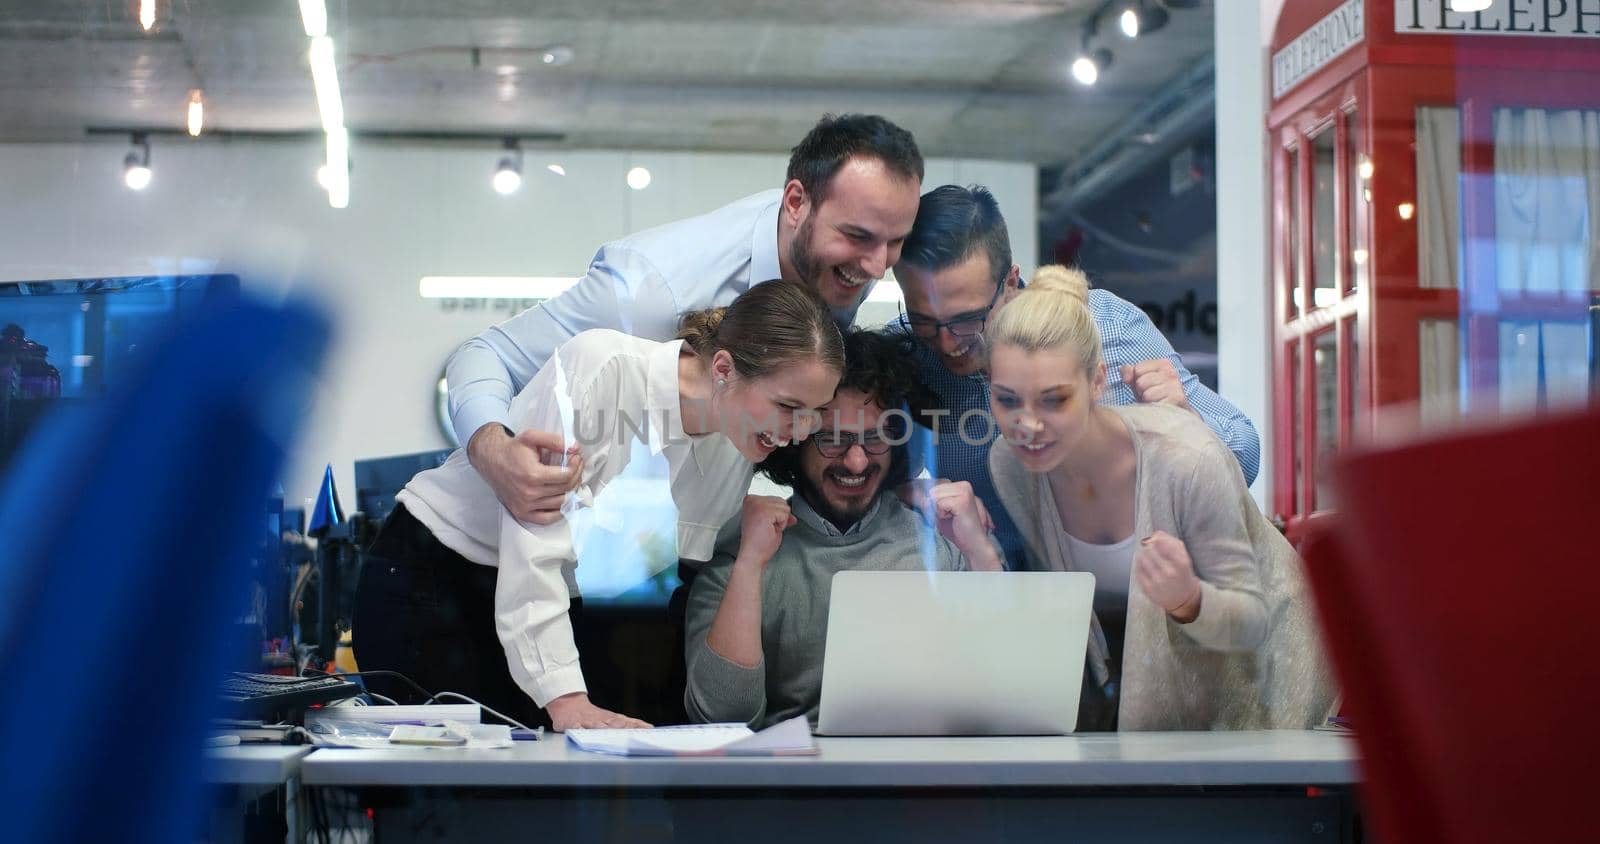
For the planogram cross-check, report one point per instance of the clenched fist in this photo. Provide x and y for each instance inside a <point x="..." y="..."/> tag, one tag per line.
<point x="1155" y="381"/>
<point x="917" y="494"/>
<point x="1165" y="574"/>
<point x="961" y="518"/>
<point x="762" y="522"/>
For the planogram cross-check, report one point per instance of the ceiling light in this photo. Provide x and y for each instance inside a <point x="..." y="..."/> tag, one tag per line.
<point x="508" y="175"/>
<point x="147" y="14"/>
<point x="556" y="169"/>
<point x="325" y="78"/>
<point x="1142" y="17"/>
<point x="638" y="178"/>
<point x="557" y="55"/>
<point x="314" y="14"/>
<point x="338" y="168"/>
<point x="1088" y="66"/>
<point x="197" y="113"/>
<point x="136" y="167"/>
<point x="1084" y="71"/>
<point x="1470" y="5"/>
<point x="506" y="179"/>
<point x="135" y="175"/>
<point x="1130" y="23"/>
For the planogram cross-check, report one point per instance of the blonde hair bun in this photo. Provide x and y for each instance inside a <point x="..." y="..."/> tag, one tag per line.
<point x="1055" y="278"/>
<point x="1052" y="313"/>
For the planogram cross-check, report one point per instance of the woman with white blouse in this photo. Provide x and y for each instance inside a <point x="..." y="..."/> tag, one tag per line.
<point x="1202" y="618"/>
<point x="460" y="596"/>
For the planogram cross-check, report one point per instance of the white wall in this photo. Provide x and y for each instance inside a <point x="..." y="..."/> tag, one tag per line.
<point x="1244" y="371"/>
<point x="254" y="208"/>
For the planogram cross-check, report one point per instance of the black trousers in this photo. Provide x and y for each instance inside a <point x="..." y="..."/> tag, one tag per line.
<point x="427" y="612"/>
<point x="1099" y="708"/>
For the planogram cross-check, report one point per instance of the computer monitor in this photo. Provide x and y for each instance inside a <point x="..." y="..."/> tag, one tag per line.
<point x="379" y="479"/>
<point x="70" y="341"/>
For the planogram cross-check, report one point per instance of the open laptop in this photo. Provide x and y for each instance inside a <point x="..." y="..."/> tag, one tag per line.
<point x="954" y="653"/>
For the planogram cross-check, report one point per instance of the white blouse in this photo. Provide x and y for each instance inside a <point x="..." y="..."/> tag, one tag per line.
<point x="617" y="396"/>
<point x="1112" y="567"/>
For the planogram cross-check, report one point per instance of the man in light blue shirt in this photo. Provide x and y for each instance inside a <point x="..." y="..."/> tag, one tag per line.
<point x="837" y="226"/>
<point x="956" y="267"/>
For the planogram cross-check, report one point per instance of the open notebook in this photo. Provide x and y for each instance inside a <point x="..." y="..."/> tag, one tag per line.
<point x="789" y="738"/>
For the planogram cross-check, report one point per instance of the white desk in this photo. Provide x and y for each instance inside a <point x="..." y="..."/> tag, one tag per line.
<point x="1137" y="759"/>
<point x="254" y="764"/>
<point x="245" y="775"/>
<point x="1248" y="786"/>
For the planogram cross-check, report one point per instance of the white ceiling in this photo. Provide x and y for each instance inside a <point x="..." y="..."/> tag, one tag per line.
<point x="971" y="78"/>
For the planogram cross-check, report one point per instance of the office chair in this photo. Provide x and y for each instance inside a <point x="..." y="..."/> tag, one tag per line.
<point x="1459" y="588"/>
<point x="127" y="525"/>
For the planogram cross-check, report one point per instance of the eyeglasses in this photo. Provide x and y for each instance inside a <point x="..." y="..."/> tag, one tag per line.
<point x="833" y="444"/>
<point x="967" y="326"/>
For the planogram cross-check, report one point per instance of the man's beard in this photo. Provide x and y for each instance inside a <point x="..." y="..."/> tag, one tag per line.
<point x="806" y="264"/>
<point x="839" y="518"/>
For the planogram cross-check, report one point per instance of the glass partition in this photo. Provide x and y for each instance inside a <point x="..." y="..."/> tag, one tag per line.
<point x="1295" y="275"/>
<point x="1324" y="234"/>
<point x="1438" y="370"/>
<point x="1297" y="425"/>
<point x="1360" y="169"/>
<point x="1325" y="371"/>
<point x="1525" y="267"/>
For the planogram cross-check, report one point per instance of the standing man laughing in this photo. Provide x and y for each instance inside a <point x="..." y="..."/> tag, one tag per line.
<point x="837" y="226"/>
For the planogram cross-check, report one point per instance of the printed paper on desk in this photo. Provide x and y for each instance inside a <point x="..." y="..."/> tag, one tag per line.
<point x="789" y="738"/>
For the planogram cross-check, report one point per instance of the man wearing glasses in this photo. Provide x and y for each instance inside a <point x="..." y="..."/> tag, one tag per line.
<point x="954" y="271"/>
<point x="757" y="612"/>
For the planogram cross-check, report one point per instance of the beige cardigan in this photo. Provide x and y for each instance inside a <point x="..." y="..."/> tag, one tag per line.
<point x="1252" y="659"/>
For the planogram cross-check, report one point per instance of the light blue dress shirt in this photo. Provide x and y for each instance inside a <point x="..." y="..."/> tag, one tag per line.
<point x="639" y="285"/>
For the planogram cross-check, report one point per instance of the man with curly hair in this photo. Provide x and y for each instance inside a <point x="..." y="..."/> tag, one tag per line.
<point x="758" y="611"/>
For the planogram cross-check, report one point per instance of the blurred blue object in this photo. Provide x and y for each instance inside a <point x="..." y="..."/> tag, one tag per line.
<point x="127" y="529"/>
<point x="327" y="513"/>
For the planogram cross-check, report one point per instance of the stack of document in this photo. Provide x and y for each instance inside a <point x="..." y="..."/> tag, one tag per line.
<point x="790" y="738"/>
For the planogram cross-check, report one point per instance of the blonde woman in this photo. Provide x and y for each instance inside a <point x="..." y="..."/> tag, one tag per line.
<point x="1202" y="621"/>
<point x="461" y="596"/>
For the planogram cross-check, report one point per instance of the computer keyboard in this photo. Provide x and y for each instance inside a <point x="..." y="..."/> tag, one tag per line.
<point x="261" y="694"/>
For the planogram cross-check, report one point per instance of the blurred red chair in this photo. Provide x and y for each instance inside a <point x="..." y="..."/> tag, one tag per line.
<point x="1461" y="587"/>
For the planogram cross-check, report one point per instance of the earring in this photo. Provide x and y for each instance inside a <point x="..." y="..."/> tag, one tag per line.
<point x="722" y="382"/>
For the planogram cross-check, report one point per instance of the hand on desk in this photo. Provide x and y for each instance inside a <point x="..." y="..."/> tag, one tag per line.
<point x="525" y="470"/>
<point x="575" y="711"/>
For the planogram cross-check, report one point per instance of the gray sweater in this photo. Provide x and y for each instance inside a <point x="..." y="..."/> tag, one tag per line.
<point x="795" y="592"/>
<point x="1253" y="657"/>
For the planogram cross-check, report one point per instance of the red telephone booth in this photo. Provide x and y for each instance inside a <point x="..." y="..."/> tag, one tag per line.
<point x="1436" y="219"/>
